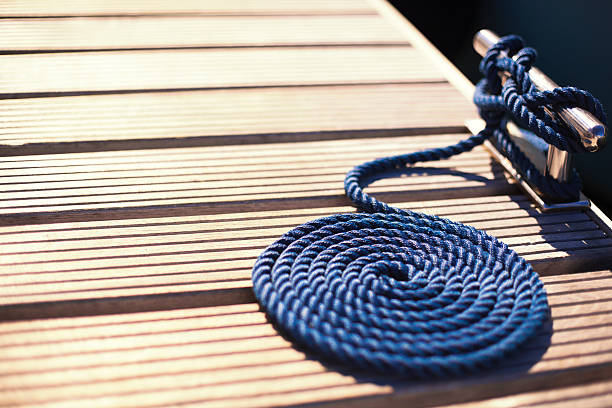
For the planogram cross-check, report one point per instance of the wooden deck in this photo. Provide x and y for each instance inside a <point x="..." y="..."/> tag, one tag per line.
<point x="150" y="150"/>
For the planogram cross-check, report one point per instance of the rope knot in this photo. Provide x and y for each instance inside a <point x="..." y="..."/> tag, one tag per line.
<point x="526" y="57"/>
<point x="507" y="91"/>
<point x="508" y="45"/>
<point x="507" y="87"/>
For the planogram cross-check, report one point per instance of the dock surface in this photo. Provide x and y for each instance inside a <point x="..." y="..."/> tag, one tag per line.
<point x="150" y="150"/>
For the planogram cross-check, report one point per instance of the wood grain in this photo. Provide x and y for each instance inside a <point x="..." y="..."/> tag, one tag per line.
<point x="48" y="34"/>
<point x="109" y="266"/>
<point x="213" y="176"/>
<point x="113" y="8"/>
<point x="175" y="119"/>
<point x="230" y="356"/>
<point x="596" y="395"/>
<point x="64" y="73"/>
<point x="126" y="274"/>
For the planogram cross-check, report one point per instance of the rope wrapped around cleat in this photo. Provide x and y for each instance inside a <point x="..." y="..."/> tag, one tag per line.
<point x="530" y="108"/>
<point x="400" y="292"/>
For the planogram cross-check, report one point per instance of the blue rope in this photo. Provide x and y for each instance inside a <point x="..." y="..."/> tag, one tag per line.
<point x="518" y="98"/>
<point x="400" y="292"/>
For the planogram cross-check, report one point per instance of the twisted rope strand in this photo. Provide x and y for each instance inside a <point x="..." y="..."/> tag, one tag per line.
<point x="397" y="291"/>
<point x="529" y="107"/>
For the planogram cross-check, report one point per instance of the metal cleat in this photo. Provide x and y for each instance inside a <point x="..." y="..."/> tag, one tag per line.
<point x="549" y="160"/>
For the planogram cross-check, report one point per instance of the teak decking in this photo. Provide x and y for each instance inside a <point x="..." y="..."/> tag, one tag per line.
<point x="151" y="150"/>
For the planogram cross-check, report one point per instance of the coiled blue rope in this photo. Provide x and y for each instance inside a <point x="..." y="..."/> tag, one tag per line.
<point x="400" y="292"/>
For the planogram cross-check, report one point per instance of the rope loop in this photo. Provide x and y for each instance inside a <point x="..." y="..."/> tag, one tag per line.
<point x="522" y="101"/>
<point x="400" y="292"/>
<point x="518" y="100"/>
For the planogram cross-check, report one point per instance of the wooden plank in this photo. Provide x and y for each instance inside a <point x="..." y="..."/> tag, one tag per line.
<point x="596" y="395"/>
<point x="114" y="265"/>
<point x="230" y="356"/>
<point x="48" y="34"/>
<point x="113" y="8"/>
<point x="119" y="232"/>
<point x="395" y="19"/>
<point x="215" y="176"/>
<point x="174" y="119"/>
<point x="64" y="73"/>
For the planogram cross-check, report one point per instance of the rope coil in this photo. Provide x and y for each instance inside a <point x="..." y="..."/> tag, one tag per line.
<point x="400" y="292"/>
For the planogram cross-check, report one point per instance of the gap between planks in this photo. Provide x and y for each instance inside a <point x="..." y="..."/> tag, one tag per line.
<point x="322" y="387"/>
<point x="231" y="356"/>
<point x="96" y="267"/>
<point x="228" y="117"/>
<point x="236" y="178"/>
